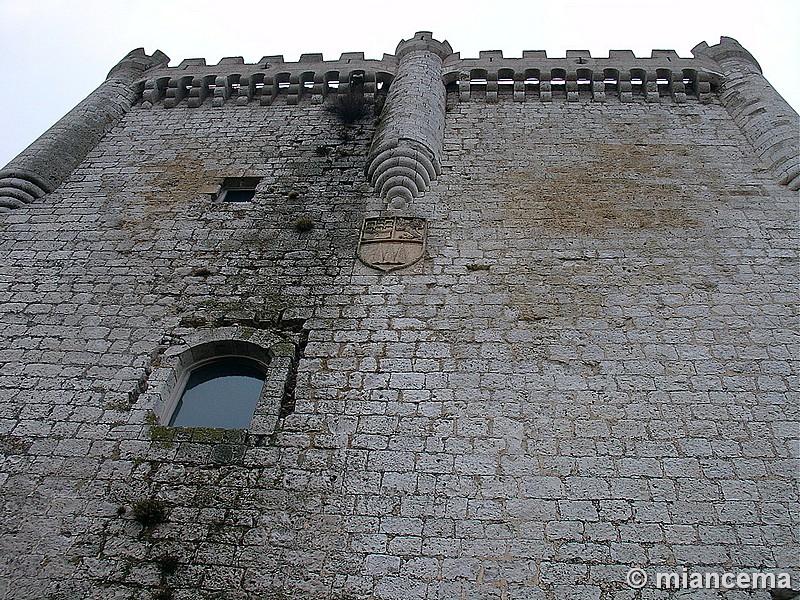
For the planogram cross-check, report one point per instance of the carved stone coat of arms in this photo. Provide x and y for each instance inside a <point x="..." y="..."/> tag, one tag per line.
<point x="390" y="243"/>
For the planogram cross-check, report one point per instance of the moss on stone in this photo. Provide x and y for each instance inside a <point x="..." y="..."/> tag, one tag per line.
<point x="206" y="434"/>
<point x="162" y="434"/>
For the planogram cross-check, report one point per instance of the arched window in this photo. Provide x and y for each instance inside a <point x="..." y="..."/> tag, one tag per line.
<point x="221" y="393"/>
<point x="231" y="378"/>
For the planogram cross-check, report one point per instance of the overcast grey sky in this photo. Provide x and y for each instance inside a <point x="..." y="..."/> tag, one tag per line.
<point x="54" y="52"/>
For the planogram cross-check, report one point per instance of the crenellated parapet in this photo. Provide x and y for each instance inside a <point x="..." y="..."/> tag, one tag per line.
<point x="269" y="81"/>
<point x="766" y="119"/>
<point x="417" y="83"/>
<point x="490" y="77"/>
<point x="580" y="77"/>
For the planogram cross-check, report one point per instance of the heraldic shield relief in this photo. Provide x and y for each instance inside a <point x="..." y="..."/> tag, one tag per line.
<point x="389" y="243"/>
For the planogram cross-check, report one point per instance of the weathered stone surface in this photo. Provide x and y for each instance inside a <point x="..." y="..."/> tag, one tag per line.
<point x="592" y="367"/>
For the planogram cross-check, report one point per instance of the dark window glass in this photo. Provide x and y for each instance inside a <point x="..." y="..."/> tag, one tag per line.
<point x="239" y="195"/>
<point x="222" y="394"/>
<point x="238" y="189"/>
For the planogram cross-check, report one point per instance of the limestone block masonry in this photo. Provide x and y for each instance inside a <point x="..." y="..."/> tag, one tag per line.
<point x="406" y="150"/>
<point x="769" y="123"/>
<point x="586" y="360"/>
<point x="51" y="158"/>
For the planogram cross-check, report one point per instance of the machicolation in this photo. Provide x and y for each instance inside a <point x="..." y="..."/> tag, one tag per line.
<point x="422" y="327"/>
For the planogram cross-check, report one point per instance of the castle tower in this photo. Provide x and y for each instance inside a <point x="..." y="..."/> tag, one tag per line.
<point x="526" y="331"/>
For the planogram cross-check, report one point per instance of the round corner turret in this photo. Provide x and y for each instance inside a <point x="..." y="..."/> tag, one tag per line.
<point x="766" y="119"/>
<point x="727" y="49"/>
<point x="49" y="160"/>
<point x="423" y="40"/>
<point x="139" y="61"/>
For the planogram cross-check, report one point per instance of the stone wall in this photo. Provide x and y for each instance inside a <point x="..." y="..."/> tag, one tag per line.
<point x="592" y="368"/>
<point x="49" y="160"/>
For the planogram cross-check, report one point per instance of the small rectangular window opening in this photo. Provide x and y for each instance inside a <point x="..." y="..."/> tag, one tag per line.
<point x="238" y="189"/>
<point x="238" y="195"/>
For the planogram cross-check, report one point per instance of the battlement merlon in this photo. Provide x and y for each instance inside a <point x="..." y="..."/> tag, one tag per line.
<point x="423" y="41"/>
<point x="136" y="62"/>
<point x="766" y="119"/>
<point x="727" y="49"/>
<point x="623" y="61"/>
<point x="769" y="123"/>
<point x="51" y="158"/>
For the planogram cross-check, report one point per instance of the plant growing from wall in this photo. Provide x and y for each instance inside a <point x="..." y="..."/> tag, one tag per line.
<point x="349" y="107"/>
<point x="168" y="564"/>
<point x="150" y="512"/>
<point x="303" y="225"/>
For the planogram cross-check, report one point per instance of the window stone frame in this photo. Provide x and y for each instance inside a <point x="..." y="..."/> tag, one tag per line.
<point x="272" y="352"/>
